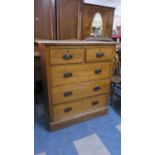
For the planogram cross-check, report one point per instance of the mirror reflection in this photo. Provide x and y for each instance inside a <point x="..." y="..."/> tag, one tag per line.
<point x="97" y="24"/>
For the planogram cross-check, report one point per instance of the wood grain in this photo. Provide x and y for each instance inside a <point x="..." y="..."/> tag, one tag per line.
<point x="44" y="19"/>
<point x="99" y="54"/>
<point x="81" y="95"/>
<point x="55" y="125"/>
<point x="57" y="55"/>
<point x="88" y="13"/>
<point x="80" y="73"/>
<point x="77" y="107"/>
<point x="79" y="91"/>
<point x="67" y="19"/>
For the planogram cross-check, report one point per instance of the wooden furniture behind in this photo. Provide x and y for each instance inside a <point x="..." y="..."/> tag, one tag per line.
<point x="44" y="19"/>
<point x="76" y="79"/>
<point x="68" y="19"/>
<point x="88" y="13"/>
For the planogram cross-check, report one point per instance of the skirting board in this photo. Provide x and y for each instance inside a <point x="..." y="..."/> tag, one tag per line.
<point x="83" y="117"/>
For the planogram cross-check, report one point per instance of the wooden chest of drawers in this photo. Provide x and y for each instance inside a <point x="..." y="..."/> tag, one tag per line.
<point x="76" y="76"/>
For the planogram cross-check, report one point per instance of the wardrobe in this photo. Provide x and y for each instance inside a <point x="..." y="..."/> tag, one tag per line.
<point x="68" y="19"/>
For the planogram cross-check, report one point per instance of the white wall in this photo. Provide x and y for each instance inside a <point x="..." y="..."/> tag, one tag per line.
<point x="117" y="17"/>
<point x="110" y="3"/>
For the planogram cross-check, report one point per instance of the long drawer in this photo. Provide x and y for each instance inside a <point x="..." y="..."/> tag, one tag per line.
<point x="68" y="74"/>
<point x="99" y="54"/>
<point x="71" y="109"/>
<point x="66" y="55"/>
<point x="73" y="92"/>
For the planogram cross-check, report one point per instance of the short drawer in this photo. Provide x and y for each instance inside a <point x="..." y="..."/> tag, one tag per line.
<point x="64" y="56"/>
<point x="99" y="54"/>
<point x="67" y="93"/>
<point x="69" y="74"/>
<point x="71" y="109"/>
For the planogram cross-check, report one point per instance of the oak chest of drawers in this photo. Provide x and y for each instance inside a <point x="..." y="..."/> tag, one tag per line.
<point x="76" y="77"/>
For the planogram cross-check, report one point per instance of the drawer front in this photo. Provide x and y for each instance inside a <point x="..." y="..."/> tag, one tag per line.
<point x="64" y="56"/>
<point x="73" y="92"/>
<point x="71" y="109"/>
<point x="95" y="71"/>
<point x="79" y="73"/>
<point x="99" y="54"/>
<point x="64" y="74"/>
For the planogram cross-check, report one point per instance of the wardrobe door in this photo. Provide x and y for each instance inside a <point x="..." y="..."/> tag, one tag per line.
<point x="88" y="13"/>
<point x="44" y="19"/>
<point x="68" y="19"/>
<point x="109" y="22"/>
<point x="36" y="19"/>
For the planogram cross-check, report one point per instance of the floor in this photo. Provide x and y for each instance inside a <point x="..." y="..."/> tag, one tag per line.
<point x="98" y="136"/>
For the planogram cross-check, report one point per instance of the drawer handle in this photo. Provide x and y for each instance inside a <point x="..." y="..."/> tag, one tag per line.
<point x="68" y="56"/>
<point x="66" y="94"/>
<point x="99" y="54"/>
<point x="97" y="88"/>
<point x="94" y="103"/>
<point x="67" y="109"/>
<point x="98" y="71"/>
<point x="67" y="74"/>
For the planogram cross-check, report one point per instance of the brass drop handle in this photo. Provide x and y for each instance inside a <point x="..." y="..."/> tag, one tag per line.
<point x="67" y="94"/>
<point x="67" y="74"/>
<point x="99" y="54"/>
<point x="68" y="109"/>
<point x="68" y="56"/>
<point x="94" y="103"/>
<point x="97" y="88"/>
<point x="98" y="71"/>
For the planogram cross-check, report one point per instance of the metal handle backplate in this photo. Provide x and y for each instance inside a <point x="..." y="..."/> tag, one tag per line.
<point x="67" y="74"/>
<point x="66" y="94"/>
<point x="99" y="54"/>
<point x="68" y="109"/>
<point x="94" y="103"/>
<point x="97" y="88"/>
<point x="68" y="56"/>
<point x="97" y="71"/>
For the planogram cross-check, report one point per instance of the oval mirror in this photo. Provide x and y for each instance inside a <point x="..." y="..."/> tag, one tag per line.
<point x="97" y="24"/>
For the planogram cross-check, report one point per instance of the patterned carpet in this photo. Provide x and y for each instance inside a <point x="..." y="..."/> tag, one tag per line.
<point x="99" y="136"/>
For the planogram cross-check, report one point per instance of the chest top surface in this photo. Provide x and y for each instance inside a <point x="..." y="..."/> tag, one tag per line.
<point x="73" y="42"/>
